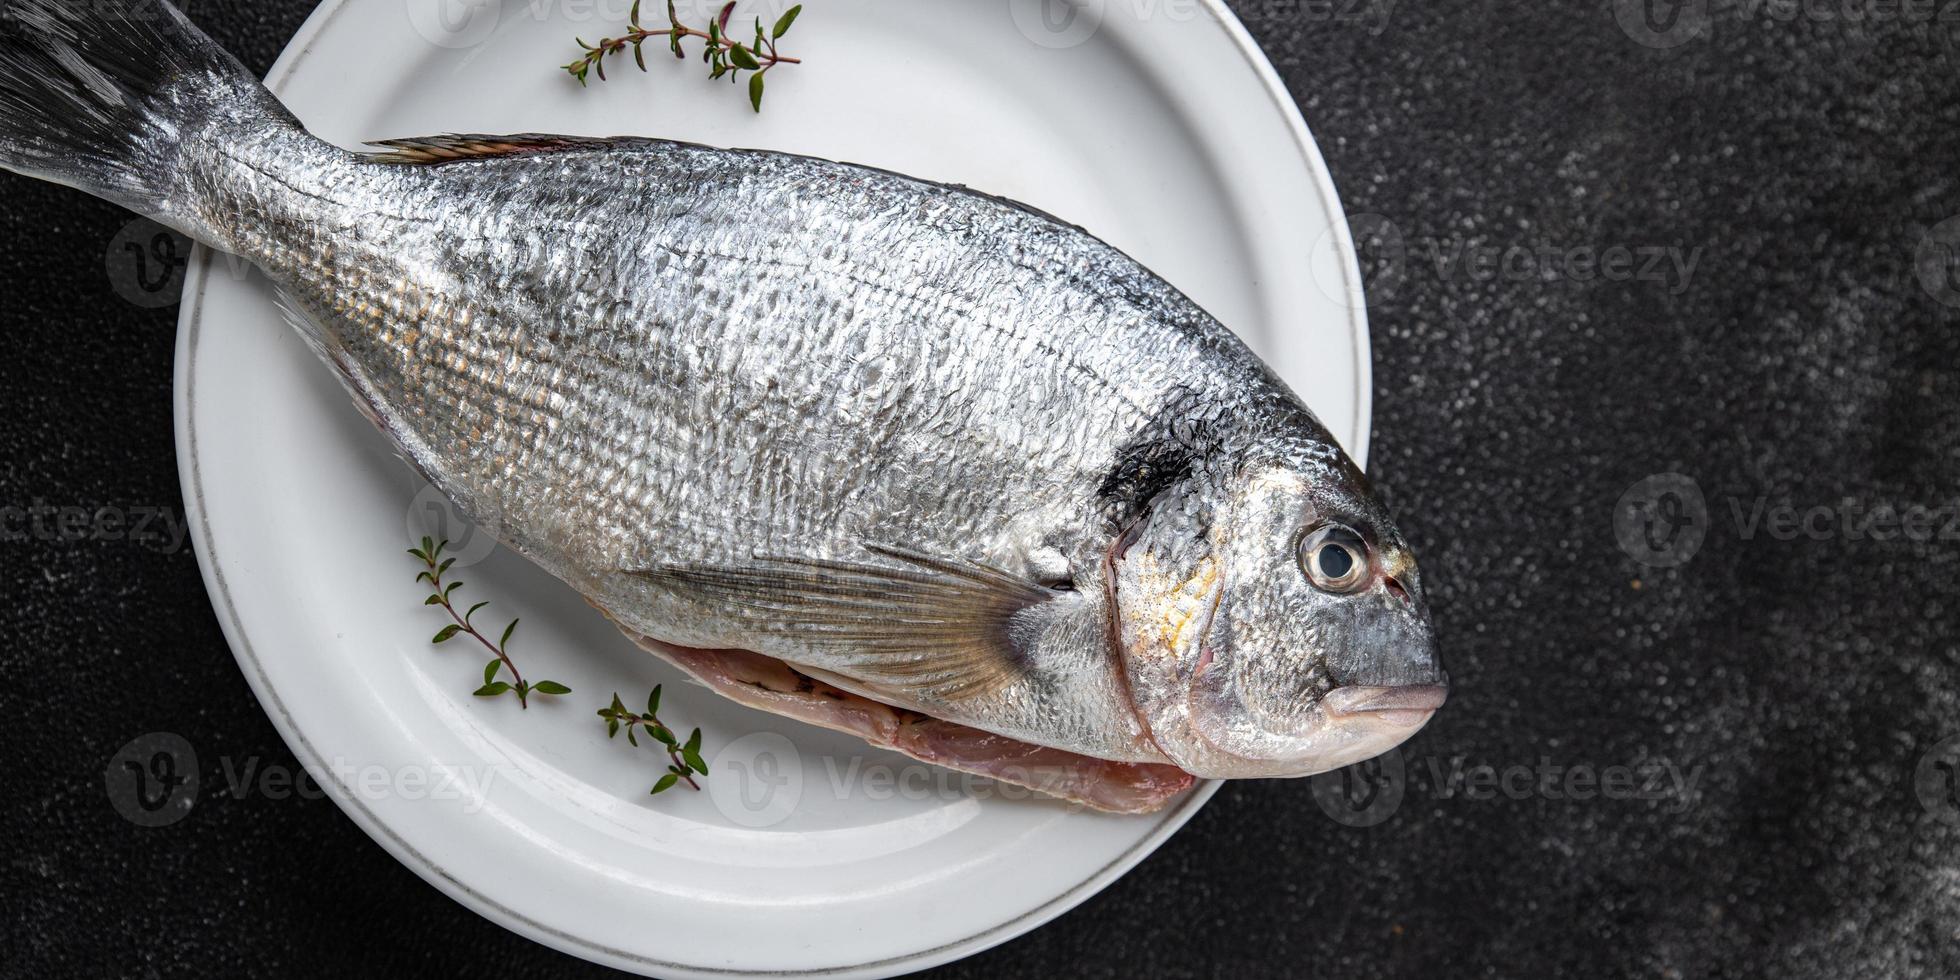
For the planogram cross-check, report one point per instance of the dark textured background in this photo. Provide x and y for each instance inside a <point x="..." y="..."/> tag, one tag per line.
<point x="1809" y="359"/>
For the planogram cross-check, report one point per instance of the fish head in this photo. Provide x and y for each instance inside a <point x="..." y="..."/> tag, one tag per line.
<point x="1272" y="621"/>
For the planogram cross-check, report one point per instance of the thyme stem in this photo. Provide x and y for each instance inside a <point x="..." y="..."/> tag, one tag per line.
<point x="433" y="567"/>
<point x="435" y="581"/>
<point x="723" y="54"/>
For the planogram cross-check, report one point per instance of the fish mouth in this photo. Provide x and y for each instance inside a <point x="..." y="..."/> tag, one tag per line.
<point x="1402" y="706"/>
<point x="1348" y="725"/>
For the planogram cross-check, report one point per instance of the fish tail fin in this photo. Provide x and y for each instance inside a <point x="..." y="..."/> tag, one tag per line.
<point x="106" y="95"/>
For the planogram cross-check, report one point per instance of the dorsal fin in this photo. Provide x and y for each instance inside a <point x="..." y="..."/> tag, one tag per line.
<point x="451" y="147"/>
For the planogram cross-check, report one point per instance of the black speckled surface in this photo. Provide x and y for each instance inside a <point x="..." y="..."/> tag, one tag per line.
<point x="1801" y="160"/>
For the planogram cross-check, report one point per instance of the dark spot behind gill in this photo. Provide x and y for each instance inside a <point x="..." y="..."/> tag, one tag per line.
<point x="1163" y="454"/>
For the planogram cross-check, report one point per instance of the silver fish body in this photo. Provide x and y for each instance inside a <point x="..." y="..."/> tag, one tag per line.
<point x="929" y="448"/>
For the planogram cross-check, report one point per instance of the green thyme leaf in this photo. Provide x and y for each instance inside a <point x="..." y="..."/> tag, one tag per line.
<point x="723" y="55"/>
<point x="783" y="23"/>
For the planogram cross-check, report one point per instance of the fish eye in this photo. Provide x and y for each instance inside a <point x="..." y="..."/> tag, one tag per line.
<point x="1334" y="558"/>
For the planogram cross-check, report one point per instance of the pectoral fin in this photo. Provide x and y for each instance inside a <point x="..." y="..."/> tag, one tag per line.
<point x="943" y="628"/>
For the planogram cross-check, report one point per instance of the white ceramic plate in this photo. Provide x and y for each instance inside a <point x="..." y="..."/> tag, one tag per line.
<point x="1157" y="125"/>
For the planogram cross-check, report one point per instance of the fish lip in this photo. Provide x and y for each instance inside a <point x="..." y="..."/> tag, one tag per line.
<point x="1402" y="703"/>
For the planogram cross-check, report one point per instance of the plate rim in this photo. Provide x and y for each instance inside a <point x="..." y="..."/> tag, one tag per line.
<point x="190" y="478"/>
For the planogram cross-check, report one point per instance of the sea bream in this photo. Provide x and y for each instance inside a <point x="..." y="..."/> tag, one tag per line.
<point x="886" y="455"/>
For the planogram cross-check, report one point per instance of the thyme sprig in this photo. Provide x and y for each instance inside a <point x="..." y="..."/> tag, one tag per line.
<point x="684" y="757"/>
<point x="434" y="567"/>
<point x="723" y="54"/>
